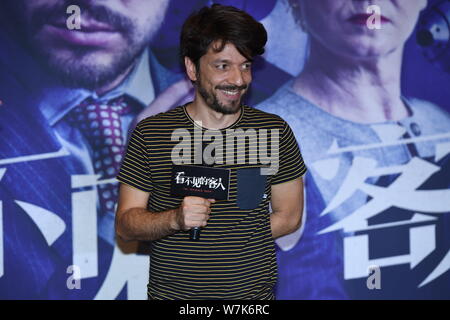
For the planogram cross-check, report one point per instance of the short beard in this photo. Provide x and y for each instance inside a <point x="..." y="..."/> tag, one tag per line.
<point x="77" y="68"/>
<point x="78" y="72"/>
<point x="212" y="101"/>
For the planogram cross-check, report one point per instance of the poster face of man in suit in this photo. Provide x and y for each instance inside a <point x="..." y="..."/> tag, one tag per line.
<point x="106" y="57"/>
<point x="110" y="36"/>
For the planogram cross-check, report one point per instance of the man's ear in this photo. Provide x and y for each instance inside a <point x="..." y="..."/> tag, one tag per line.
<point x="191" y="70"/>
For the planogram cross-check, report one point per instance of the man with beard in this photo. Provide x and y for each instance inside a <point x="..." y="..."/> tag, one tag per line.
<point x="235" y="257"/>
<point x="68" y="98"/>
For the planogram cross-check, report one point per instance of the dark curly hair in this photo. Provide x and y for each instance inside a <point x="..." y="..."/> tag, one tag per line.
<point x="225" y="24"/>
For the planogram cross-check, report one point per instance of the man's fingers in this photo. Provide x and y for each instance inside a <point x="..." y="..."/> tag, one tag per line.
<point x="195" y="211"/>
<point x="198" y="200"/>
<point x="198" y="217"/>
<point x="198" y="208"/>
<point x="196" y="220"/>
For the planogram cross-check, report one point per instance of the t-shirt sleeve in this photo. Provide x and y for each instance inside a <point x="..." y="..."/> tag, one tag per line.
<point x="290" y="165"/>
<point x="135" y="170"/>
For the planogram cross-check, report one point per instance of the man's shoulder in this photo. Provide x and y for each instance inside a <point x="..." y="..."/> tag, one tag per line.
<point x="262" y="118"/>
<point x="174" y="116"/>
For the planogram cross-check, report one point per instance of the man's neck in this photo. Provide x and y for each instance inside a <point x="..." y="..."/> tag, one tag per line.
<point x="207" y="117"/>
<point x="365" y="91"/>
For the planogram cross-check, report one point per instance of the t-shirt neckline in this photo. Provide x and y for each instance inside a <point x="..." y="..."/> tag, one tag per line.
<point x="203" y="128"/>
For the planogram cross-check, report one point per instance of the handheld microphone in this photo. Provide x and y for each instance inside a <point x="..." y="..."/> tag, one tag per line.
<point x="199" y="181"/>
<point x="194" y="234"/>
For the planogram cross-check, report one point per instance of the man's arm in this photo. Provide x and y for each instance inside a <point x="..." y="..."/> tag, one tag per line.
<point x="135" y="222"/>
<point x="287" y="207"/>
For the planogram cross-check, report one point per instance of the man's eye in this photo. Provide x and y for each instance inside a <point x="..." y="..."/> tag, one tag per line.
<point x="221" y="66"/>
<point x="247" y="66"/>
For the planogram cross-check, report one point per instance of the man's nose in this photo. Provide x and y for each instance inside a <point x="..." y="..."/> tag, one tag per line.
<point x="236" y="77"/>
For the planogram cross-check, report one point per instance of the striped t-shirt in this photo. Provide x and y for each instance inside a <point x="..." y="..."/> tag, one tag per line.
<point x="235" y="256"/>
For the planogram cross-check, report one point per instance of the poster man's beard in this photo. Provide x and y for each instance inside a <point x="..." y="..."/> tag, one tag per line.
<point x="78" y="67"/>
<point x="80" y="71"/>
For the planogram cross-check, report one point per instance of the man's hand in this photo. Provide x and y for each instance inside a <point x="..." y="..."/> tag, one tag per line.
<point x="135" y="222"/>
<point x="193" y="212"/>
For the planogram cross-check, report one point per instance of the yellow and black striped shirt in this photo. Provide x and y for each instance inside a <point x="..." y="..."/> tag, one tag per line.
<point x="235" y="257"/>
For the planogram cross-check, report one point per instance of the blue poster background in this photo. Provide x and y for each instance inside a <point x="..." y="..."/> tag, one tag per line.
<point x="53" y="231"/>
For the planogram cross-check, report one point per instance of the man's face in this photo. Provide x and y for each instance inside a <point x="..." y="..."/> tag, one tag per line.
<point x="340" y="25"/>
<point x="113" y="33"/>
<point x="223" y="78"/>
